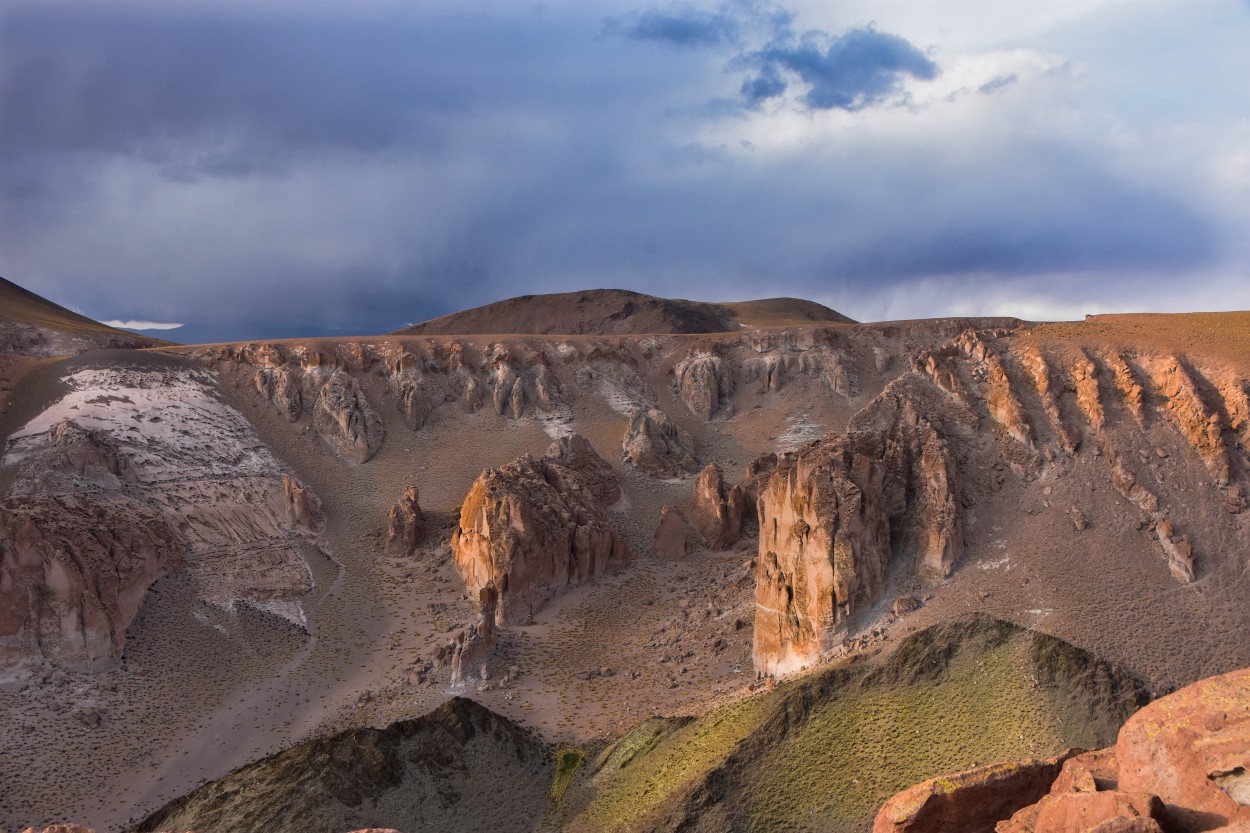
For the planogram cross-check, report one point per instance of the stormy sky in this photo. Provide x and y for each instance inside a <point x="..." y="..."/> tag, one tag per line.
<point x="277" y="168"/>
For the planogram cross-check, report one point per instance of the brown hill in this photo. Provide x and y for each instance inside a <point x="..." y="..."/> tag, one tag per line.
<point x="34" y="326"/>
<point x="618" y="311"/>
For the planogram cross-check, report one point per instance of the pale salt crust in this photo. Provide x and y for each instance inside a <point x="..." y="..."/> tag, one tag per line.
<point x="801" y="432"/>
<point x="173" y="430"/>
<point x="169" y="423"/>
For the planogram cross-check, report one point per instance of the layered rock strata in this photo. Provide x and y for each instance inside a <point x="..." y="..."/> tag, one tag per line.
<point x="152" y="474"/>
<point x="528" y="530"/>
<point x="833" y="515"/>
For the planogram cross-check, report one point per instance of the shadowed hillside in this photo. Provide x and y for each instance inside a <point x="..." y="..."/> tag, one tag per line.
<point x="34" y="326"/>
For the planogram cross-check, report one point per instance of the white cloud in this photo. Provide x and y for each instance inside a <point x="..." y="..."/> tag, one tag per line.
<point x="140" y="325"/>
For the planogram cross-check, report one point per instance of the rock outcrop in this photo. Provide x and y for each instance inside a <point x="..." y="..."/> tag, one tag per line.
<point x="529" y="529"/>
<point x="657" y="446"/>
<point x="705" y="382"/>
<point x="717" y="508"/>
<point x="670" y="540"/>
<point x="405" y="526"/>
<point x="575" y="452"/>
<point x="73" y="575"/>
<point x="475" y="648"/>
<point x="1192" y="750"/>
<point x="302" y="506"/>
<point x="1196" y="421"/>
<point x="832" y="516"/>
<point x="1179" y="765"/>
<point x="346" y="420"/>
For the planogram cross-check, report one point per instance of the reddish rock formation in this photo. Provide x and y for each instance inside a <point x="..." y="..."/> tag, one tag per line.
<point x="1129" y="387"/>
<point x="529" y="529"/>
<point x="970" y="802"/>
<point x="829" y="517"/>
<point x="1000" y="399"/>
<point x="717" y="508"/>
<point x="405" y="526"/>
<point x="1047" y="388"/>
<point x="1084" y="375"/>
<point x="656" y="445"/>
<point x="1192" y="750"/>
<point x="1179" y="765"/>
<point x="576" y="453"/>
<point x="346" y="420"/>
<point x="1197" y="422"/>
<point x="670" y="535"/>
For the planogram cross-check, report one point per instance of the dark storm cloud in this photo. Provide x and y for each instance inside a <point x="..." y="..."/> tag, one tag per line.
<point x="120" y="82"/>
<point x="859" y="68"/>
<point x="288" y="174"/>
<point x="683" y="26"/>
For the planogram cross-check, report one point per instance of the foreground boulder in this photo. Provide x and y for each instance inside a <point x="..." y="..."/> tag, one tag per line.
<point x="1192" y="749"/>
<point x="657" y="446"/>
<point x="832" y="516"/>
<point x="1179" y="765"/>
<point x="528" y="530"/>
<point x="970" y="802"/>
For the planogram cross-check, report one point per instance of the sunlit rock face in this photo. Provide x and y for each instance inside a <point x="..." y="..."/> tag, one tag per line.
<point x="528" y="530"/>
<point x="831" y="518"/>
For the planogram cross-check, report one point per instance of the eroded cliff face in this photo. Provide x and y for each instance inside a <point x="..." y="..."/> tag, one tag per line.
<point x="425" y="379"/>
<point x="833" y="517"/>
<point x="528" y="530"/>
<point x="73" y="576"/>
<point x="152" y="474"/>
<point x="1053" y="403"/>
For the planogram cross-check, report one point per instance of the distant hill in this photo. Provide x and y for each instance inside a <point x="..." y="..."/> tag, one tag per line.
<point x="34" y="326"/>
<point x="618" y="311"/>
